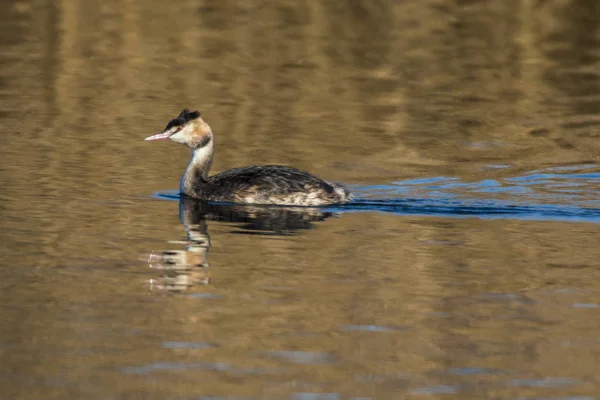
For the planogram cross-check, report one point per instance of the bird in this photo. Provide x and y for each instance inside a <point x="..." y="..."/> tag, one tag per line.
<point x="259" y="184"/>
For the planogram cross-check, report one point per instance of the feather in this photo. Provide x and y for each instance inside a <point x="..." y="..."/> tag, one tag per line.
<point x="183" y="118"/>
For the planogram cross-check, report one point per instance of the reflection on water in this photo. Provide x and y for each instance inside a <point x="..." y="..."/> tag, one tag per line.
<point x="188" y="267"/>
<point x="185" y="268"/>
<point x="246" y="219"/>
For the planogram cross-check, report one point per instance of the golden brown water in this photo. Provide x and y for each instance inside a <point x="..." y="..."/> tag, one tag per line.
<point x="468" y="266"/>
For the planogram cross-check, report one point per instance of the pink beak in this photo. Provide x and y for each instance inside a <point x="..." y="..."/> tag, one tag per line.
<point x="159" y="136"/>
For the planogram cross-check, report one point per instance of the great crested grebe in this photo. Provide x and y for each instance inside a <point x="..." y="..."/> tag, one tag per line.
<point x="269" y="184"/>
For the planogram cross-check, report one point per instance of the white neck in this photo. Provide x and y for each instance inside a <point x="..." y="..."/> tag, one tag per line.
<point x="198" y="168"/>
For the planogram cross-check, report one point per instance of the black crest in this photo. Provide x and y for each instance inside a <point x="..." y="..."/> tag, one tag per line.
<point x="183" y="118"/>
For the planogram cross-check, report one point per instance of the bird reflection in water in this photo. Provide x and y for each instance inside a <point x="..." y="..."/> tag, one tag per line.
<point x="183" y="269"/>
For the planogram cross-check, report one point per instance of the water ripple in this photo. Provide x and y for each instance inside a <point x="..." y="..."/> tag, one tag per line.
<point x="187" y="345"/>
<point x="301" y="357"/>
<point x="370" y="328"/>
<point x="315" y="396"/>
<point x="486" y="209"/>
<point x="443" y="389"/>
<point x="174" y="366"/>
<point x="542" y="382"/>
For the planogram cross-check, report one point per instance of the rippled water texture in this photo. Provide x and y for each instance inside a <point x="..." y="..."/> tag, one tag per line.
<point x="468" y="265"/>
